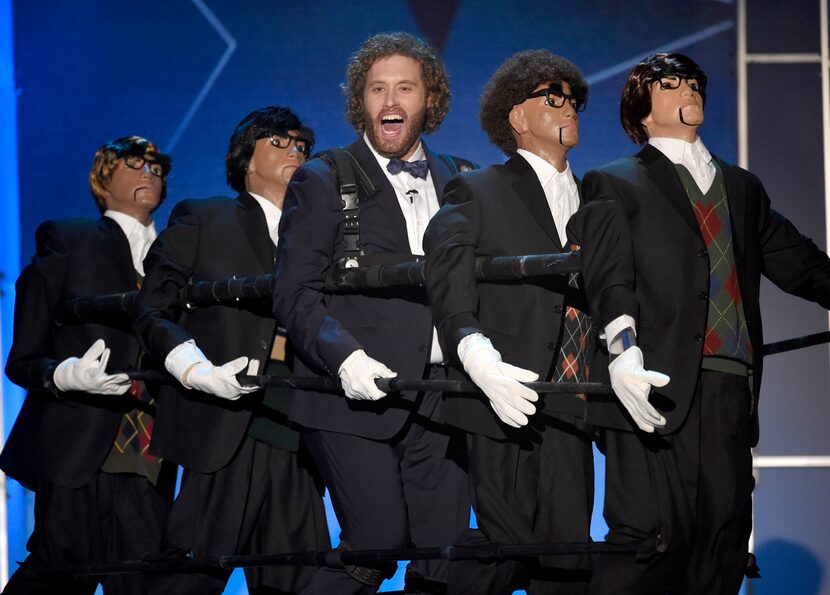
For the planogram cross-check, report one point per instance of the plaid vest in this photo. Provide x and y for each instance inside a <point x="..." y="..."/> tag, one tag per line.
<point x="726" y="332"/>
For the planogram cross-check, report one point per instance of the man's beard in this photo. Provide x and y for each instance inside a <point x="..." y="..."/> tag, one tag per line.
<point x="413" y="126"/>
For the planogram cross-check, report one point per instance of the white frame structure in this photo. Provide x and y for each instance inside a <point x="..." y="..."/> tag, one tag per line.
<point x="743" y="59"/>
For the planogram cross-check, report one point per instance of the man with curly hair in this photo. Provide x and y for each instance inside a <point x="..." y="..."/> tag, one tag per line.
<point x="386" y="465"/>
<point x="530" y="468"/>
<point x="81" y="438"/>
<point x="674" y="243"/>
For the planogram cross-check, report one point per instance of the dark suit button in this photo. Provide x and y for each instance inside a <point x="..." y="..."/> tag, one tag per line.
<point x="263" y="344"/>
<point x="698" y="337"/>
<point x="703" y="295"/>
<point x="703" y="253"/>
<point x="551" y="345"/>
<point x="557" y="309"/>
<point x="422" y="348"/>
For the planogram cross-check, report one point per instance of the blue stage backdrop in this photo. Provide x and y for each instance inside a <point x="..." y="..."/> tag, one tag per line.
<point x="184" y="73"/>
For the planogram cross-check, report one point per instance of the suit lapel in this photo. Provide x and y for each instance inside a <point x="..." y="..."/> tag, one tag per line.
<point x="441" y="173"/>
<point x="385" y="198"/>
<point x="126" y="271"/>
<point x="251" y="219"/>
<point x="529" y="189"/>
<point x="736" y="198"/>
<point x="662" y="173"/>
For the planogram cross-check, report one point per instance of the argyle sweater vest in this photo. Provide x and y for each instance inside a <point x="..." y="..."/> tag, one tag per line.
<point x="726" y="332"/>
<point x="572" y="360"/>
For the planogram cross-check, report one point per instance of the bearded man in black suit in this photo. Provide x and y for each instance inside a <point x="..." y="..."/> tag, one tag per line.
<point x="81" y="438"/>
<point x="247" y="487"/>
<point x="383" y="459"/>
<point x="674" y="241"/>
<point x="530" y="470"/>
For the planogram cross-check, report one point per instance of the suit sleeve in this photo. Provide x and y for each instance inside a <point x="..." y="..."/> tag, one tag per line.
<point x="309" y="232"/>
<point x="790" y="260"/>
<point x="601" y="229"/>
<point x="168" y="267"/>
<point x="39" y="289"/>
<point x="450" y="243"/>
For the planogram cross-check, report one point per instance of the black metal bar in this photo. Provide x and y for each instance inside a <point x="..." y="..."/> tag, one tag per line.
<point x="110" y="308"/>
<point x="323" y="385"/>
<point x="337" y="558"/>
<point x="796" y="343"/>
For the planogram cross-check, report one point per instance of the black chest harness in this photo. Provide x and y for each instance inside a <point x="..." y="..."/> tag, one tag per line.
<point x="354" y="185"/>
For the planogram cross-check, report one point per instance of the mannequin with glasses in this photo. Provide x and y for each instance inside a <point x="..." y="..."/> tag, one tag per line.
<point x="531" y="469"/>
<point x="674" y="241"/>
<point x="247" y="486"/>
<point x="80" y="440"/>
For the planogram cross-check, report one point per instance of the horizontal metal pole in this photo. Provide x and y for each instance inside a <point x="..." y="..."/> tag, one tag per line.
<point x="784" y="58"/>
<point x="339" y="559"/>
<point x="790" y="462"/>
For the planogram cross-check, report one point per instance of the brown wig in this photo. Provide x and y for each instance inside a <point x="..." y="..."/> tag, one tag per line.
<point x="635" y="103"/>
<point x="259" y="124"/>
<point x="106" y="160"/>
<point x="403" y="44"/>
<point x="519" y="75"/>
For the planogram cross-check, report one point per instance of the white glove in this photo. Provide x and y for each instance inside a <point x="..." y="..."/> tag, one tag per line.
<point x="501" y="382"/>
<point x="89" y="374"/>
<point x="219" y="381"/>
<point x="357" y="375"/>
<point x="632" y="384"/>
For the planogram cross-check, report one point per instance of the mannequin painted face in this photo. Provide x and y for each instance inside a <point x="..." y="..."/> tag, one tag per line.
<point x="676" y="109"/>
<point x="544" y="129"/>
<point x="395" y="105"/>
<point x="274" y="161"/>
<point x="135" y="187"/>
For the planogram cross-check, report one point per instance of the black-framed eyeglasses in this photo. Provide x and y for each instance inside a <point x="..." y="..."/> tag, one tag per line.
<point x="672" y="81"/>
<point x="138" y="163"/>
<point x="556" y="97"/>
<point x="283" y="141"/>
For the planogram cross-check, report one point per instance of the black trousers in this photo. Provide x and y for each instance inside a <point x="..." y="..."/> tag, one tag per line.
<point x="265" y="501"/>
<point x="114" y="517"/>
<point x="534" y="488"/>
<point x="685" y="497"/>
<point x="404" y="492"/>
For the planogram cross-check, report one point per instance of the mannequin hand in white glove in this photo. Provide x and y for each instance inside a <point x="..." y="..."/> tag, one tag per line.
<point x="219" y="381"/>
<point x="501" y="382"/>
<point x="89" y="373"/>
<point x="632" y="384"/>
<point x="357" y="375"/>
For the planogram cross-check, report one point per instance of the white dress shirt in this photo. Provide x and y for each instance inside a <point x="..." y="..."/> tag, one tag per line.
<point x="272" y="216"/>
<point x="419" y="202"/>
<point x="139" y="236"/>
<point x="560" y="191"/>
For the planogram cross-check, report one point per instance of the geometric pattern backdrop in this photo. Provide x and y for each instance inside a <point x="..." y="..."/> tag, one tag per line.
<point x="184" y="73"/>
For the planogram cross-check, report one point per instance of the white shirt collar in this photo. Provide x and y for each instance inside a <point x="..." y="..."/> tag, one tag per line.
<point x="680" y="151"/>
<point x="138" y="235"/>
<point x="545" y="170"/>
<point x="693" y="156"/>
<point x="272" y="215"/>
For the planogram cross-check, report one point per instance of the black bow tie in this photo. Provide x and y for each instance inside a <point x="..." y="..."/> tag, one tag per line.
<point x="416" y="169"/>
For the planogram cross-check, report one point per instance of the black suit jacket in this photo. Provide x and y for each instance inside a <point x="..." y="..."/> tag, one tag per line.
<point x="208" y="239"/>
<point x="497" y="211"/>
<point x="395" y="329"/>
<point x="643" y="255"/>
<point x="64" y="438"/>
